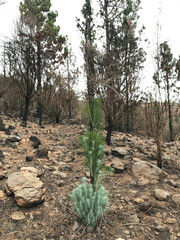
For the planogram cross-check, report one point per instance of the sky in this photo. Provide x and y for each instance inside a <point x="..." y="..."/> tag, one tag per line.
<point x="68" y="10"/>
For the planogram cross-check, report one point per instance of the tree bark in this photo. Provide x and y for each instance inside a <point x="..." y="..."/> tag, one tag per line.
<point x="69" y="106"/>
<point x="109" y="132"/>
<point x="159" y="154"/>
<point x="26" y="110"/>
<point x="169" y="112"/>
<point x="57" y="119"/>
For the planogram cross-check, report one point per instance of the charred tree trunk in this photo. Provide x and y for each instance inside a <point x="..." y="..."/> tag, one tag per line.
<point x="39" y="101"/>
<point x="159" y="154"/>
<point x="26" y="110"/>
<point x="57" y="119"/>
<point x="69" y="107"/>
<point x="169" y="112"/>
<point x="109" y="132"/>
<point x="39" y="112"/>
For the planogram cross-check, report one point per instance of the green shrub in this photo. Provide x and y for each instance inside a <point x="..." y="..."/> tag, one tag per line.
<point x="90" y="205"/>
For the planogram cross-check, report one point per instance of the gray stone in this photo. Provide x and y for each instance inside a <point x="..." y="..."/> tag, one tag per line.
<point x="36" y="141"/>
<point x="146" y="172"/>
<point x="7" y="132"/>
<point x="18" y="216"/>
<point x="23" y="124"/>
<point x="119" y="152"/>
<point x="142" y="149"/>
<point x="174" y="183"/>
<point x="42" y="153"/>
<point x="62" y="175"/>
<point x="75" y="226"/>
<point x="2" y="127"/>
<point x="26" y="187"/>
<point x="29" y="158"/>
<point x="32" y="170"/>
<point x="161" y="228"/>
<point x="11" y="127"/>
<point x="90" y="229"/>
<point x="146" y="206"/>
<point x="3" y="196"/>
<point x="67" y="168"/>
<point x="118" y="166"/>
<point x="1" y="154"/>
<point x="176" y="198"/>
<point x="161" y="195"/>
<point x="2" y="174"/>
<point x="133" y="219"/>
<point x="14" y="138"/>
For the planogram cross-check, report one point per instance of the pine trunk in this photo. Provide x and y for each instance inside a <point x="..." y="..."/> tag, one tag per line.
<point x="26" y="110"/>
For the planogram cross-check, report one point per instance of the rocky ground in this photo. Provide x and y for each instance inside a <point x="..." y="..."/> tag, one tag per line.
<point x="144" y="201"/>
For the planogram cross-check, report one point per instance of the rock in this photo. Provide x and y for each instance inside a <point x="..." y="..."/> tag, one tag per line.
<point x="42" y="153"/>
<point x="90" y="229"/>
<point x="18" y="216"/>
<point x="161" y="195"/>
<point x="2" y="127"/>
<point x="14" y="138"/>
<point x="146" y="172"/>
<point x="161" y="228"/>
<point x="60" y="183"/>
<point x="133" y="219"/>
<point x="36" y="141"/>
<point x="146" y="206"/>
<point x="2" y="175"/>
<point x="176" y="198"/>
<point x="138" y="200"/>
<point x="142" y="150"/>
<point x="118" y="166"/>
<point x="67" y="168"/>
<point x="171" y="220"/>
<point x="7" y="132"/>
<point x="3" y="196"/>
<point x="1" y="154"/>
<point x="119" y="152"/>
<point x="23" y="124"/>
<point x="75" y="226"/>
<point x="11" y="127"/>
<point x="32" y="170"/>
<point x="29" y="158"/>
<point x="174" y="183"/>
<point x="61" y="174"/>
<point x="26" y="187"/>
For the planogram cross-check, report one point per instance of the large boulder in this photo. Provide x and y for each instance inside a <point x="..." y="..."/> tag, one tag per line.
<point x="145" y="172"/>
<point x="26" y="187"/>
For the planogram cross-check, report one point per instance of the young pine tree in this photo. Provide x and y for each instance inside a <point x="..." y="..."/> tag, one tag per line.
<point x="90" y="201"/>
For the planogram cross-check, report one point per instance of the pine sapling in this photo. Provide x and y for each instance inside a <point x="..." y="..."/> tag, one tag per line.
<point x="90" y="201"/>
